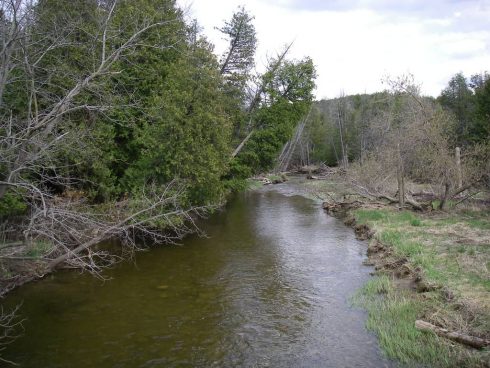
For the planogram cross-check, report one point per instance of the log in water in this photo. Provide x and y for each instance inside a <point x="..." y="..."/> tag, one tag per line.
<point x="268" y="287"/>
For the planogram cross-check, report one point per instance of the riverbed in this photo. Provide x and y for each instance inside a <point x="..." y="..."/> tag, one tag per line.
<point x="269" y="286"/>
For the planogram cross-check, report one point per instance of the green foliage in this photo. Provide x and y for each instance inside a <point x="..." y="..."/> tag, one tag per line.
<point x="293" y="81"/>
<point x="238" y="59"/>
<point x="189" y="109"/>
<point x="480" y="131"/>
<point x="12" y="204"/>
<point x="166" y="110"/>
<point x="276" y="124"/>
<point x="458" y="97"/>
<point x="286" y="99"/>
<point x="469" y="102"/>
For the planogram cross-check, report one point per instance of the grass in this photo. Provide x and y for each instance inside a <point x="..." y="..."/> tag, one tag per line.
<point x="391" y="315"/>
<point x="449" y="251"/>
<point x="38" y="249"/>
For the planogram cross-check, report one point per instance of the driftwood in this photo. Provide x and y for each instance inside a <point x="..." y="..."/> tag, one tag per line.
<point x="364" y="192"/>
<point x="412" y="203"/>
<point x="473" y="341"/>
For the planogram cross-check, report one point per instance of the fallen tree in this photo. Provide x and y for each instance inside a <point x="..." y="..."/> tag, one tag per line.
<point x="473" y="341"/>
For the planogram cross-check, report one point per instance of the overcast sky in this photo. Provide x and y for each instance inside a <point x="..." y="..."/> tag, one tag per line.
<point x="355" y="43"/>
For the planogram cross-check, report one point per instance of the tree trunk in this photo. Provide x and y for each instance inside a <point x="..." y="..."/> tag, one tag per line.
<point x="255" y="101"/>
<point x="401" y="180"/>
<point x="458" y="167"/>
<point x="240" y="146"/>
<point x="443" y="205"/>
<point x="341" y="133"/>
<point x="473" y="341"/>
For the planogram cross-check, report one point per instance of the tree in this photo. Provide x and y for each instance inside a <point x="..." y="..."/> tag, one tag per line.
<point x="285" y="97"/>
<point x="480" y="130"/>
<point x="189" y="109"/>
<point x="458" y="98"/>
<point x="238" y="59"/>
<point x="34" y="132"/>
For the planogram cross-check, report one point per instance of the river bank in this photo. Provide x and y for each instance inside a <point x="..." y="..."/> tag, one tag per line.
<point x="431" y="266"/>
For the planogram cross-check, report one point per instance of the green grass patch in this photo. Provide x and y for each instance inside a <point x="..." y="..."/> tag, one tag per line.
<point x="364" y="216"/>
<point x="387" y="217"/>
<point x="473" y="219"/>
<point x="483" y="224"/>
<point x="415" y="222"/>
<point x="391" y="316"/>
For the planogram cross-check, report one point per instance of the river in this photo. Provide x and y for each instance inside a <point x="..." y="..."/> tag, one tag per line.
<point x="268" y="287"/>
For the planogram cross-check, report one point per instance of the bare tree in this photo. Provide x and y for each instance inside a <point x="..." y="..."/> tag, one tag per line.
<point x="10" y="328"/>
<point x="413" y="141"/>
<point x="341" y="112"/>
<point x="289" y="148"/>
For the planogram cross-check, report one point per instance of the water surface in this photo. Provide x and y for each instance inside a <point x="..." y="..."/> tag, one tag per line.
<point x="268" y="287"/>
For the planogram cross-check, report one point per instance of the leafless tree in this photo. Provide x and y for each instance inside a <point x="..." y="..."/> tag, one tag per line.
<point x="284" y="159"/>
<point x="413" y="141"/>
<point x="341" y="112"/>
<point x="10" y="329"/>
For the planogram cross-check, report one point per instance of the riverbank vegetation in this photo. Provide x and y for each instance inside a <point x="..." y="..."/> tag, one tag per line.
<point x="430" y="266"/>
<point x="119" y="121"/>
<point x="412" y="176"/>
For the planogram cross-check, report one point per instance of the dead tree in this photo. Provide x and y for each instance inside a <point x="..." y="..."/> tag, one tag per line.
<point x="10" y="329"/>
<point x="458" y="167"/>
<point x="289" y="148"/>
<point x="341" y="124"/>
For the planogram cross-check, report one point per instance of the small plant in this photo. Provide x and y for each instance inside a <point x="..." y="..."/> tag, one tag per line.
<point x="415" y="222"/>
<point x="38" y="249"/>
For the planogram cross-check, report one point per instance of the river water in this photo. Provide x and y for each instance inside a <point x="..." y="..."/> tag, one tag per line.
<point x="268" y="287"/>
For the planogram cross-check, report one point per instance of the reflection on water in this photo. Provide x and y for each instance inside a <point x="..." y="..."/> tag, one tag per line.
<point x="268" y="287"/>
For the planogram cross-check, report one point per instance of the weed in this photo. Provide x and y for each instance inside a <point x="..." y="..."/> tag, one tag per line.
<point x="38" y="249"/>
<point x="415" y="222"/>
<point x="363" y="216"/>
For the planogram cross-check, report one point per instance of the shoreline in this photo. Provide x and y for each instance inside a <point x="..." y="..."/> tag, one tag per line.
<point x="414" y="280"/>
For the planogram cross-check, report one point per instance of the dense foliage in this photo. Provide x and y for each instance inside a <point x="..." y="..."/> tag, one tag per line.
<point x="165" y="109"/>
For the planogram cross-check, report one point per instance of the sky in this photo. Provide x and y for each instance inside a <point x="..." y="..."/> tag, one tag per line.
<point x="355" y="44"/>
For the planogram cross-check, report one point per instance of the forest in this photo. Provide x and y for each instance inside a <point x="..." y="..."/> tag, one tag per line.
<point x="385" y="138"/>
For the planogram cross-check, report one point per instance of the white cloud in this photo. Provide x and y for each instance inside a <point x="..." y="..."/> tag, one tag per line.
<point x="355" y="43"/>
